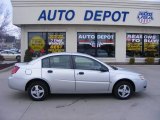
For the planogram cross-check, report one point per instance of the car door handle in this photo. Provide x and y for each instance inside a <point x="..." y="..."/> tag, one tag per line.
<point x="50" y="71"/>
<point x="81" y="73"/>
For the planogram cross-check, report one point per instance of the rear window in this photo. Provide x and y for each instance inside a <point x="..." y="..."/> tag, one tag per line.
<point x="61" y="61"/>
<point x="45" y="63"/>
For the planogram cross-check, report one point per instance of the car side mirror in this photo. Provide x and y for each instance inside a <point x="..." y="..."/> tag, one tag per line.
<point x="103" y="69"/>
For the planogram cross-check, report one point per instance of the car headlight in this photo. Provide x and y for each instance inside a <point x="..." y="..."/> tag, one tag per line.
<point x="141" y="77"/>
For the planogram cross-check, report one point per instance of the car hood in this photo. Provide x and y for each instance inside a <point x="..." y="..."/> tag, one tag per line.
<point x="126" y="71"/>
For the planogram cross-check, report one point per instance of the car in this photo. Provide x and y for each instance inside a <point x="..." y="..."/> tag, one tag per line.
<point x="16" y="50"/>
<point x="10" y="55"/>
<point x="73" y="73"/>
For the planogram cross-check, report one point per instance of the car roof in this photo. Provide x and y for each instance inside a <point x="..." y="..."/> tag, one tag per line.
<point x="66" y="53"/>
<point x="61" y="53"/>
<point x="8" y="51"/>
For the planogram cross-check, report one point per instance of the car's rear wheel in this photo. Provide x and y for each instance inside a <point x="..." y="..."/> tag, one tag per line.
<point x="123" y="90"/>
<point x="38" y="91"/>
<point x="18" y="58"/>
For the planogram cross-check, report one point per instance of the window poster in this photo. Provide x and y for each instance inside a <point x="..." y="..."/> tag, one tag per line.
<point x="105" y="39"/>
<point x="86" y="39"/>
<point x="56" y="42"/>
<point x="37" y="43"/>
<point x="134" y="42"/>
<point x="151" y="42"/>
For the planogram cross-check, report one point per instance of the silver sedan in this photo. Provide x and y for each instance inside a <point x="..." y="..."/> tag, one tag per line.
<point x="73" y="73"/>
<point x="10" y="55"/>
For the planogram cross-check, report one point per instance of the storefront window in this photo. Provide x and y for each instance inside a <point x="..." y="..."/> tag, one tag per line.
<point x="41" y="43"/>
<point x="97" y="44"/>
<point x="142" y="45"/>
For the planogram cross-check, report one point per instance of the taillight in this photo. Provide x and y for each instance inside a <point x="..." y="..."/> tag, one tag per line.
<point x="15" y="69"/>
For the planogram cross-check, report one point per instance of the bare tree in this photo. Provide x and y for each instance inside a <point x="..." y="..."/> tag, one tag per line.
<point x="6" y="27"/>
<point x="5" y="19"/>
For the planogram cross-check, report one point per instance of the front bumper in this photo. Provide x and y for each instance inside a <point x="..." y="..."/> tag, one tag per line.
<point x="141" y="85"/>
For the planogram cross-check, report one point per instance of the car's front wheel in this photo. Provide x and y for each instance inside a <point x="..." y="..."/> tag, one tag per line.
<point x="38" y="91"/>
<point x="123" y="90"/>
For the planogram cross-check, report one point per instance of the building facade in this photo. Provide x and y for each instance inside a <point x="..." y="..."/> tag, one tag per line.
<point x="112" y="31"/>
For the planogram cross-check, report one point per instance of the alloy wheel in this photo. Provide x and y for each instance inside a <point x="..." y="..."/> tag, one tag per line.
<point x="37" y="91"/>
<point x="124" y="91"/>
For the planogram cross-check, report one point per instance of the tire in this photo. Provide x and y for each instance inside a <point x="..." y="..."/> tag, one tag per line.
<point x="18" y="58"/>
<point x="123" y="90"/>
<point x="38" y="91"/>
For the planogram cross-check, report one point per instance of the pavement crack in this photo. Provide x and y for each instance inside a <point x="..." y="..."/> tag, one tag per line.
<point x="25" y="111"/>
<point x="67" y="105"/>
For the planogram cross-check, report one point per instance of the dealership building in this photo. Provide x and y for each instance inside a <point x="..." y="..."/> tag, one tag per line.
<point x="112" y="31"/>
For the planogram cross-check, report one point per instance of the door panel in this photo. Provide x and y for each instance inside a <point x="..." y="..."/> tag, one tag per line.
<point x="91" y="81"/>
<point x="89" y="75"/>
<point x="61" y="80"/>
<point x="57" y="70"/>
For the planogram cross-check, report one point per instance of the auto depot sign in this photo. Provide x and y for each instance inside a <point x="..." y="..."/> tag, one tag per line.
<point x="81" y="15"/>
<point x="89" y="15"/>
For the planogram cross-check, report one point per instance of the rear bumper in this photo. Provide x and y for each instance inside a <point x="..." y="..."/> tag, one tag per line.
<point x="16" y="83"/>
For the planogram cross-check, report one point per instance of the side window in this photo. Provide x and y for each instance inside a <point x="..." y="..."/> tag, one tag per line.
<point x="45" y="63"/>
<point x="61" y="61"/>
<point x="4" y="52"/>
<point x="86" y="63"/>
<point x="9" y="52"/>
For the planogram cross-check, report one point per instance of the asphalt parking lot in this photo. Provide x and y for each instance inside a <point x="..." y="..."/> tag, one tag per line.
<point x="15" y="105"/>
